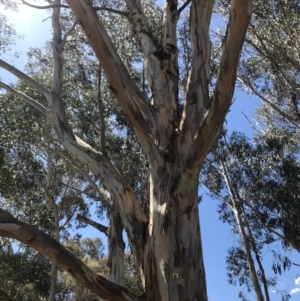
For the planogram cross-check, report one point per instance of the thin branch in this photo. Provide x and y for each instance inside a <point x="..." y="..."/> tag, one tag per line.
<point x="27" y="79"/>
<point x="119" y="12"/>
<point x="44" y="6"/>
<point x="183" y="6"/>
<point x="116" y="11"/>
<point x="67" y="34"/>
<point x="58" y="254"/>
<point x="27" y="99"/>
<point x="105" y="195"/>
<point x="270" y="229"/>
<point x="101" y="111"/>
<point x="100" y="227"/>
<point x="276" y="108"/>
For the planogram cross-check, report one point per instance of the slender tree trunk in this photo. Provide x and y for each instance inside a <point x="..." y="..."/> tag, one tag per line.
<point x="247" y="249"/>
<point x="53" y="206"/>
<point x="173" y="261"/>
<point x="53" y="277"/>
<point x="54" y="268"/>
<point x="235" y="209"/>
<point x="116" y="248"/>
<point x="257" y="257"/>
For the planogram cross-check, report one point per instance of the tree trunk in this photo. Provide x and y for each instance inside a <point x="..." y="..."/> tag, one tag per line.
<point x="257" y="257"/>
<point x="53" y="277"/>
<point x="116" y="248"/>
<point x="173" y="261"/>
<point x="247" y="249"/>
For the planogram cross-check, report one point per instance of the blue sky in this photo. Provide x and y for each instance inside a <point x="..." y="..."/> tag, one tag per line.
<point x="217" y="238"/>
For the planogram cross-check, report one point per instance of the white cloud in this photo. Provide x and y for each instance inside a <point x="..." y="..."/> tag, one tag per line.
<point x="272" y="291"/>
<point x="297" y="280"/>
<point x="295" y="290"/>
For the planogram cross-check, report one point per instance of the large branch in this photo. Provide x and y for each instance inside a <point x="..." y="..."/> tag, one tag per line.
<point x="58" y="254"/>
<point x="145" y="40"/>
<point x="130" y="99"/>
<point x="160" y="65"/>
<point x="27" y="79"/>
<point x="197" y="92"/>
<point x="240" y="15"/>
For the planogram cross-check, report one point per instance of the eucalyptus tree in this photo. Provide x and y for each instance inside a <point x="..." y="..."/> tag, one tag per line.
<point x="270" y="69"/>
<point x="166" y="240"/>
<point x="258" y="186"/>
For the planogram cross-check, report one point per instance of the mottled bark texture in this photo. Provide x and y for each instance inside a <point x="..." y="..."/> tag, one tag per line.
<point x="167" y="243"/>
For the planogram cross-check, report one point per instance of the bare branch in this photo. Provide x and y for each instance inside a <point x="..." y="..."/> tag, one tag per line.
<point x="45" y="6"/>
<point x="29" y="100"/>
<point x="58" y="254"/>
<point x="105" y="195"/>
<point x="66" y="6"/>
<point x="85" y="220"/>
<point x="116" y="11"/>
<point x="68" y="33"/>
<point x="101" y="112"/>
<point x="184" y="5"/>
<point x="269" y="102"/>
<point x="27" y="79"/>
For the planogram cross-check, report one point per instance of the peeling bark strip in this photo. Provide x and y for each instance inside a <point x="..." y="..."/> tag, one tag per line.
<point x="58" y="254"/>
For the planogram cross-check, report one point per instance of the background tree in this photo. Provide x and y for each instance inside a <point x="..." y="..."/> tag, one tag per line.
<point x="257" y="185"/>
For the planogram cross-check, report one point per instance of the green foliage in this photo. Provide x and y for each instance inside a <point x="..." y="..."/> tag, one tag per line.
<point x="24" y="278"/>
